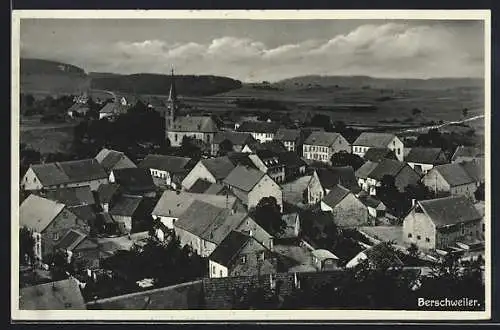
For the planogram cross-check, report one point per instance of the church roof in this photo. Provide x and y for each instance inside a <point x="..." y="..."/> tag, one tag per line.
<point x="201" y="124"/>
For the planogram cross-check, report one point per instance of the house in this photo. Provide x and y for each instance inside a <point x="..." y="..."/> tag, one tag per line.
<point x="80" y="249"/>
<point x="200" y="186"/>
<point x="202" y="128"/>
<point x="371" y="174"/>
<point x="442" y="222"/>
<point x="75" y="173"/>
<point x="49" y="221"/>
<point x="291" y="138"/>
<point x="170" y="170"/>
<point x="59" y="295"/>
<point x="320" y="146"/>
<point x="71" y="196"/>
<point x="475" y="168"/>
<point x="204" y="226"/>
<point x="463" y="153"/>
<point x="378" y="154"/>
<point x="173" y="204"/>
<point x="107" y="194"/>
<point x="235" y="141"/>
<point x="240" y="255"/>
<point x="270" y="163"/>
<point x="295" y="166"/>
<point x="346" y="208"/>
<point x="376" y="209"/>
<point x="134" y="181"/>
<point x="331" y="176"/>
<point x="450" y="179"/>
<point x="380" y="256"/>
<point x="261" y="131"/>
<point x="112" y="110"/>
<point x="251" y="185"/>
<point x="133" y="213"/>
<point x="272" y="146"/>
<point x="306" y="190"/>
<point x="78" y="110"/>
<point x="324" y="260"/>
<point x="292" y="221"/>
<point x="113" y="160"/>
<point x="213" y="170"/>
<point x="424" y="159"/>
<point x="368" y="140"/>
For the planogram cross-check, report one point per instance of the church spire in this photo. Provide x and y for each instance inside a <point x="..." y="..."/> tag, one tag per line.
<point x="172" y="105"/>
<point x="172" y="95"/>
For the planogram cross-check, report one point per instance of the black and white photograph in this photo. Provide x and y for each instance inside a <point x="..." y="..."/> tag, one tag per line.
<point x="251" y="165"/>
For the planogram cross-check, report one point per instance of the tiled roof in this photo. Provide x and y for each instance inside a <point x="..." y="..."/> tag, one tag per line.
<point x="272" y="146"/>
<point x="293" y="191"/>
<point x="450" y="210"/>
<point x="194" y="124"/>
<point x="134" y="179"/>
<point x="369" y="201"/>
<point x="323" y="254"/>
<point x="377" y="154"/>
<point x="370" y="139"/>
<point x="469" y="152"/>
<point x="236" y="138"/>
<point x="58" y="295"/>
<point x="259" y="127"/>
<point x="475" y="168"/>
<point x="325" y="139"/>
<point x="366" y="169"/>
<point x="70" y="196"/>
<point x="386" y="167"/>
<point x="229" y="248"/>
<point x="37" y="212"/>
<point x="244" y="178"/>
<point x="425" y="156"/>
<point x="106" y="191"/>
<point x="219" y="167"/>
<point x="200" y="186"/>
<point x="240" y="158"/>
<point x="85" y="212"/>
<point x="214" y="189"/>
<point x="109" y="158"/>
<point x="174" y="203"/>
<point x="51" y="174"/>
<point x="171" y="164"/>
<point x="336" y="195"/>
<point x="333" y="175"/>
<point x="291" y="159"/>
<point x="455" y="174"/>
<point x="126" y="206"/>
<point x="71" y="240"/>
<point x="286" y="134"/>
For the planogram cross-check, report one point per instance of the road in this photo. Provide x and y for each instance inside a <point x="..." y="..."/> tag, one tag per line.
<point x="426" y="128"/>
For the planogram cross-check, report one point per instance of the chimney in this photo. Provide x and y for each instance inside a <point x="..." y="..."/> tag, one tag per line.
<point x="413" y="202"/>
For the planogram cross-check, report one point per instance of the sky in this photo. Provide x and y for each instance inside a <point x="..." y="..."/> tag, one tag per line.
<point x="257" y="50"/>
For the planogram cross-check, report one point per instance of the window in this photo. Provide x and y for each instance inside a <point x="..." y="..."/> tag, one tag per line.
<point x="34" y="179"/>
<point x="410" y="235"/>
<point x="55" y="236"/>
<point x="427" y="239"/>
<point x="418" y="237"/>
<point x="220" y="273"/>
<point x="483" y="227"/>
<point x="399" y="151"/>
<point x="175" y="137"/>
<point x="243" y="259"/>
<point x="213" y="269"/>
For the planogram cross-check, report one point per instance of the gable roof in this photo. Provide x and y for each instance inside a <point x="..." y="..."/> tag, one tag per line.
<point x="229" y="248"/>
<point x="323" y="254"/>
<point x="259" y="127"/>
<point x="449" y="210"/>
<point x="370" y="201"/>
<point x="114" y="108"/>
<point x="475" y="168"/>
<point x="172" y="164"/>
<point x="70" y="196"/>
<point x="108" y="158"/>
<point x="57" y="173"/>
<point x="219" y="167"/>
<point x="173" y="203"/>
<point x="134" y="179"/>
<point x="293" y="190"/>
<point x="425" y="156"/>
<point x="386" y="167"/>
<point x="236" y="138"/>
<point x="71" y="240"/>
<point x="37" y="212"/>
<point x="291" y="159"/>
<point x="325" y="139"/>
<point x="366" y="169"/>
<point x="60" y="295"/>
<point x="106" y="191"/>
<point x="240" y="158"/>
<point x="455" y="174"/>
<point x="378" y="154"/>
<point x="287" y="134"/>
<point x="86" y="213"/>
<point x="126" y="205"/>
<point x="202" y="124"/>
<point x="270" y="146"/>
<point x="469" y="152"/>
<point x="199" y="186"/>
<point x="244" y="178"/>
<point x="215" y="188"/>
<point x="372" y="139"/>
<point x="336" y="195"/>
<point x="333" y="175"/>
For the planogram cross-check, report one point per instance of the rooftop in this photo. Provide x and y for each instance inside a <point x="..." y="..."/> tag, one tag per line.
<point x="244" y="178"/>
<point x="219" y="167"/>
<point x="203" y="124"/>
<point x="325" y="139"/>
<point x="106" y="191"/>
<point x="259" y="127"/>
<point x="432" y="156"/>
<point x="70" y="196"/>
<point x="455" y="174"/>
<point x="108" y="158"/>
<point x="371" y="139"/>
<point x="336" y="195"/>
<point x="229" y="248"/>
<point x="450" y="210"/>
<point x="126" y="205"/>
<point x="171" y="164"/>
<point x="37" y="212"/>
<point x="236" y="138"/>
<point x="134" y="179"/>
<point x="60" y="295"/>
<point x="377" y="154"/>
<point x="287" y="134"/>
<point x="57" y="173"/>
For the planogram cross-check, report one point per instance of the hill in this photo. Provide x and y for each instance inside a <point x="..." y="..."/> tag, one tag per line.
<point x="157" y="84"/>
<point x="378" y="83"/>
<point x="51" y="77"/>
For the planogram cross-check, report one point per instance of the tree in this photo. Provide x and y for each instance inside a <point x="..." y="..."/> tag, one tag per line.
<point x="344" y="158"/>
<point x="319" y="120"/>
<point x="26" y="245"/>
<point x="465" y="112"/>
<point x="413" y="250"/>
<point x="190" y="148"/>
<point x="225" y="147"/>
<point x="268" y="214"/>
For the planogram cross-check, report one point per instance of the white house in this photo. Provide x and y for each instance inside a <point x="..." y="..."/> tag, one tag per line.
<point x="260" y="130"/>
<point x="170" y="170"/>
<point x="369" y="140"/>
<point x="213" y="170"/>
<point x="321" y="146"/>
<point x="423" y="160"/>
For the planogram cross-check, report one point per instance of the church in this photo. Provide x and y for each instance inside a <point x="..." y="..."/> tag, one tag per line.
<point x="202" y="128"/>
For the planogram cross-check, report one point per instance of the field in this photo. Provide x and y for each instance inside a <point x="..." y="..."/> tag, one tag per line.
<point x="46" y="138"/>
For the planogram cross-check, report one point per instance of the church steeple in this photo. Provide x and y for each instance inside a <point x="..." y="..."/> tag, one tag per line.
<point x="172" y="105"/>
<point x="172" y="95"/>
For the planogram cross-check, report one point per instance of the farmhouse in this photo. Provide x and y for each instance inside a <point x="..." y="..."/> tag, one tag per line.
<point x="368" y="140"/>
<point x="306" y="190"/>
<point x="261" y="131"/>
<point x="107" y="194"/>
<point x="251" y="185"/>
<point x="269" y="162"/>
<point x="422" y="160"/>
<point x="441" y="223"/>
<point x="134" y="181"/>
<point x="213" y="170"/>
<point x="113" y="160"/>
<point x="78" y="110"/>
<point x="240" y="255"/>
<point x="450" y="179"/>
<point x="321" y="146"/>
<point x="346" y="208"/>
<point x="80" y="249"/>
<point x="75" y="173"/>
<point x="291" y="138"/>
<point x="72" y="196"/>
<point x="234" y="141"/>
<point x="333" y="175"/>
<point x="132" y="213"/>
<point x="170" y="170"/>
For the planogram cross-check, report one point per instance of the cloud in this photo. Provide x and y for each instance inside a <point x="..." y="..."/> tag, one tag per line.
<point x="384" y="50"/>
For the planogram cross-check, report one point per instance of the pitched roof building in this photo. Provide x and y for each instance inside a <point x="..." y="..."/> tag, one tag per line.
<point x="112" y="160"/>
<point x="424" y="159"/>
<point x="368" y="140"/>
<point x="466" y="153"/>
<point x="71" y="196"/>
<point x="59" y="295"/>
<point x="320" y="146"/>
<point x="133" y="180"/>
<point x="213" y="170"/>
